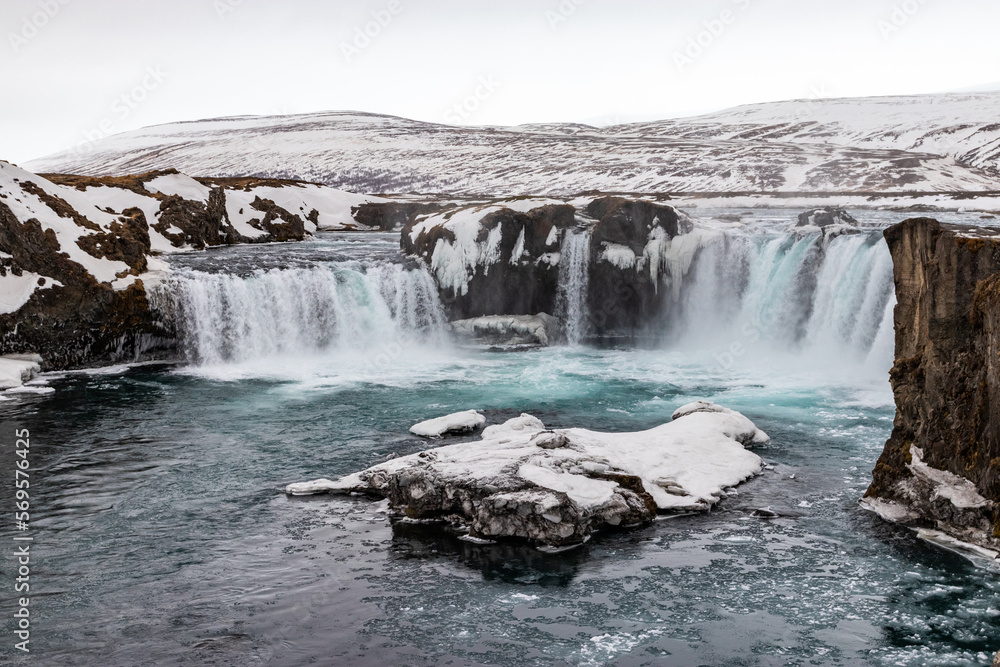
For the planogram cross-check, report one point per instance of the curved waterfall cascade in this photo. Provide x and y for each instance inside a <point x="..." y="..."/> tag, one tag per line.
<point x="821" y="296"/>
<point x="574" y="279"/>
<point x="746" y="291"/>
<point x="223" y="317"/>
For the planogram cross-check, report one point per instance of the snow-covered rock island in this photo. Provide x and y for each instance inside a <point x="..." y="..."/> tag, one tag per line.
<point x="557" y="487"/>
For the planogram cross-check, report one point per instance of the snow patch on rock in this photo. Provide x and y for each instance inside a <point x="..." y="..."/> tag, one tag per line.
<point x="16" y="290"/>
<point x="16" y="369"/>
<point x="961" y="492"/>
<point x="181" y="185"/>
<point x="619" y="255"/>
<point x="458" y="422"/>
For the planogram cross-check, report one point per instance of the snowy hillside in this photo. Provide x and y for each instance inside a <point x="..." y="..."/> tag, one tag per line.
<point x="963" y="126"/>
<point x="938" y="143"/>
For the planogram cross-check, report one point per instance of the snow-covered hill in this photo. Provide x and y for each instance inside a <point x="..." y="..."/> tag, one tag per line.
<point x="933" y="143"/>
<point x="964" y="126"/>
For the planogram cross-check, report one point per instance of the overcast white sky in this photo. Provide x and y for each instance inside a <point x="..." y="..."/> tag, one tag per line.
<point x="65" y="71"/>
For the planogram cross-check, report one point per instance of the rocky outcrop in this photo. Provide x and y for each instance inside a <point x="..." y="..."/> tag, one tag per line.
<point x="76" y="253"/>
<point x="556" y="488"/>
<point x="197" y="213"/>
<point x="825" y="217"/>
<point x="493" y="259"/>
<point x="84" y="325"/>
<point x="633" y="258"/>
<point x="388" y="216"/>
<point x="941" y="466"/>
<point x="508" y="258"/>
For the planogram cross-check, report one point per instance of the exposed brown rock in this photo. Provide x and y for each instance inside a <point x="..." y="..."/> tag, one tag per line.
<point x="946" y="377"/>
<point x="281" y="224"/>
<point x="59" y="205"/>
<point x="134" y="182"/>
<point x="126" y="241"/>
<point x="38" y="250"/>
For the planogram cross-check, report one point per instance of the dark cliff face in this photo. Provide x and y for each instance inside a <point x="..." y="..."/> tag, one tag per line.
<point x="76" y="326"/>
<point x="73" y="319"/>
<point x="623" y="299"/>
<point x="525" y="284"/>
<point x="80" y="321"/>
<point x="388" y="216"/>
<point x="626" y="271"/>
<point x="946" y="377"/>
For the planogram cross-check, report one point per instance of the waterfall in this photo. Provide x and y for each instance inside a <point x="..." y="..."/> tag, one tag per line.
<point x="783" y="291"/>
<point x="745" y="292"/>
<point x="574" y="279"/>
<point x="223" y="318"/>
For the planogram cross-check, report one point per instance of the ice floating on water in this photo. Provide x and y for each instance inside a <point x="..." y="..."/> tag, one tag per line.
<point x="509" y="330"/>
<point x="976" y="554"/>
<point x="16" y="369"/>
<point x="558" y="487"/>
<point x="459" y="422"/>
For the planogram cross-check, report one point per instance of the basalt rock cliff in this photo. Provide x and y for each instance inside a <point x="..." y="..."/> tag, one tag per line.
<point x="507" y="257"/>
<point x="632" y="253"/>
<point x="941" y="467"/>
<point x="493" y="259"/>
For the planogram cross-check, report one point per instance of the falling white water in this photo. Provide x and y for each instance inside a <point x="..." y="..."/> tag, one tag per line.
<point x="227" y="318"/>
<point x="827" y="298"/>
<point x="746" y="293"/>
<point x="574" y="279"/>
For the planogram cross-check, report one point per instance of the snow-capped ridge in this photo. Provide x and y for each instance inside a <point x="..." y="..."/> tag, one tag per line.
<point x="921" y="143"/>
